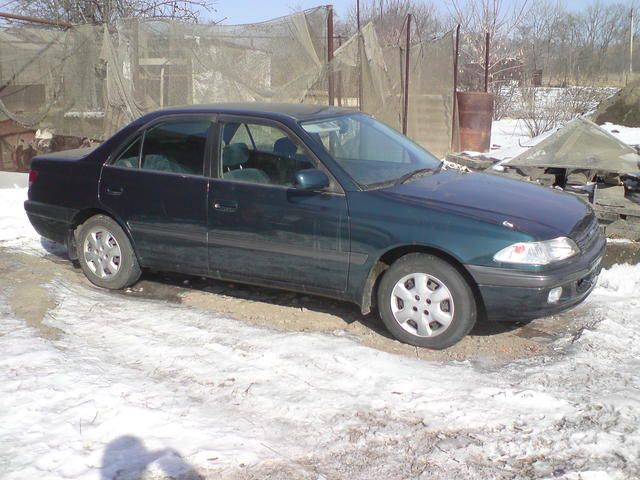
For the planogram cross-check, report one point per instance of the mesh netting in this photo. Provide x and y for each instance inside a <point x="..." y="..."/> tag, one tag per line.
<point x="431" y="97"/>
<point x="372" y="77"/>
<point x="88" y="81"/>
<point x="48" y="78"/>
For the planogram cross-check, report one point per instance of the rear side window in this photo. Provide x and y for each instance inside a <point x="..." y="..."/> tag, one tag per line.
<point x="176" y="147"/>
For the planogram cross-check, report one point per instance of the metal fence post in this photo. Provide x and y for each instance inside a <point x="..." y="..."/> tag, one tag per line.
<point x="407" y="56"/>
<point x="330" y="53"/>
<point x="455" y="89"/>
<point x="486" y="63"/>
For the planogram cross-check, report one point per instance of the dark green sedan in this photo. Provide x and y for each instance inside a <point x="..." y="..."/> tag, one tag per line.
<point x="321" y="200"/>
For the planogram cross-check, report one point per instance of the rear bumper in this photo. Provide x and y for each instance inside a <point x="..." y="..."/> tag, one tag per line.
<point x="516" y="295"/>
<point x="50" y="221"/>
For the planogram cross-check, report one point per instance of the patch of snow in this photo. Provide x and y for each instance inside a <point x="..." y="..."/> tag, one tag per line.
<point x="15" y="229"/>
<point x="509" y="138"/>
<point x="629" y="135"/>
<point x="619" y="240"/>
<point x="134" y="382"/>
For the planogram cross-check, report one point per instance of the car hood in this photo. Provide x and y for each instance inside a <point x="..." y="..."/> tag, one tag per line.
<point x="538" y="211"/>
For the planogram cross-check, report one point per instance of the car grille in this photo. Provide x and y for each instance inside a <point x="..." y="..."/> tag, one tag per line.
<point x="586" y="233"/>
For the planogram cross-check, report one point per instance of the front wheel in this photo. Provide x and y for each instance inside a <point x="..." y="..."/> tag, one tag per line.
<point x="106" y="255"/>
<point x="424" y="301"/>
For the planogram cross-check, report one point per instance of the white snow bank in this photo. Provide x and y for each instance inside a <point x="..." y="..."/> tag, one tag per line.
<point x="510" y="138"/>
<point x="15" y="229"/>
<point x="629" y="135"/>
<point x="13" y="180"/>
<point x="194" y="387"/>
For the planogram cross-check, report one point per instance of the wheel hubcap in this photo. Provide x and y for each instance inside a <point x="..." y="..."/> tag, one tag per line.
<point x="422" y="305"/>
<point x="102" y="253"/>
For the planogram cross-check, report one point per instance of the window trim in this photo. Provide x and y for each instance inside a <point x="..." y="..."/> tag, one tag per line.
<point x="142" y="132"/>
<point x="216" y="167"/>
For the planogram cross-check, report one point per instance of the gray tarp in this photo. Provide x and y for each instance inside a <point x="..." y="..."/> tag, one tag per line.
<point x="583" y="145"/>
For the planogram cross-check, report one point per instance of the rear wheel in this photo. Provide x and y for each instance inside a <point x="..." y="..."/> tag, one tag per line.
<point x="425" y="301"/>
<point x="106" y="255"/>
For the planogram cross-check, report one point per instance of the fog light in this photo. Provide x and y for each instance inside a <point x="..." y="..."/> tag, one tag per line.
<point x="554" y="295"/>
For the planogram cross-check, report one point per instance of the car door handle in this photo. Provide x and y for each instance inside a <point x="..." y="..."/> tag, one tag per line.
<point x="225" y="206"/>
<point x="115" y="190"/>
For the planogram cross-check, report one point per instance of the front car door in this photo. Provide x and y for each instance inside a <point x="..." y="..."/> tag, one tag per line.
<point x="157" y="185"/>
<point x="260" y="226"/>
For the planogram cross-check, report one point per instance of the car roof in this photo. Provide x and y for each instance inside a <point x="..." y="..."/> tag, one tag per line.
<point x="279" y="111"/>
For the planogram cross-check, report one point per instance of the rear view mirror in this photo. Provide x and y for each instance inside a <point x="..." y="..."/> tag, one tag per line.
<point x="311" y="179"/>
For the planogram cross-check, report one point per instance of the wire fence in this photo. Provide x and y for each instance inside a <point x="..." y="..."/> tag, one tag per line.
<point x="83" y="83"/>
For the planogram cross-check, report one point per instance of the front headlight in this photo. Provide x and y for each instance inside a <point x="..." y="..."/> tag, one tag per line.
<point x="538" y="253"/>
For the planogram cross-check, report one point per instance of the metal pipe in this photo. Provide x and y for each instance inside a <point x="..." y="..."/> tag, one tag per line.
<point x="42" y="21"/>
<point x="455" y="88"/>
<point x="486" y="63"/>
<point x="135" y="56"/>
<point x="330" y="53"/>
<point x="405" y="116"/>
<point x="631" y="43"/>
<point x="339" y="75"/>
<point x="358" y="14"/>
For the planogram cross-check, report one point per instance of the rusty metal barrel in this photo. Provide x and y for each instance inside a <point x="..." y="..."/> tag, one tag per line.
<point x="475" y="113"/>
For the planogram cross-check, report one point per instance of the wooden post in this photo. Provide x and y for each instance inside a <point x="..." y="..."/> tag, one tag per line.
<point x="407" y="57"/>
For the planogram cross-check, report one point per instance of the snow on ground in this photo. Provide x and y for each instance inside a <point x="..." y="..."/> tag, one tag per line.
<point x="131" y="383"/>
<point x="509" y="138"/>
<point x="629" y="135"/>
<point x="15" y="229"/>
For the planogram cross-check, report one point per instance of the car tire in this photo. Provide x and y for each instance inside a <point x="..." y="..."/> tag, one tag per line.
<point x="106" y="255"/>
<point x="425" y="301"/>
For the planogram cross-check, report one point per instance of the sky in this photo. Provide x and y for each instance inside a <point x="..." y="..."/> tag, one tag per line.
<point x="249" y="11"/>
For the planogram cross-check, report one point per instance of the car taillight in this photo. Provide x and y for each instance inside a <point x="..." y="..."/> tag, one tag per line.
<point x="33" y="176"/>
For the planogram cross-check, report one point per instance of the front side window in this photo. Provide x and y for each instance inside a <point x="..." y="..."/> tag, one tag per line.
<point x="257" y="153"/>
<point x="176" y="147"/>
<point x="130" y="157"/>
<point x="368" y="150"/>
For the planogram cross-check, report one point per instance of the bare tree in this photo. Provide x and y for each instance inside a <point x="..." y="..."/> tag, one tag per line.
<point x="389" y="17"/>
<point x="107" y="11"/>
<point x="498" y="18"/>
<point x="537" y="33"/>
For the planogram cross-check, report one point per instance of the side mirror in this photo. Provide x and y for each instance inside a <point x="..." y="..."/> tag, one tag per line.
<point x="311" y="179"/>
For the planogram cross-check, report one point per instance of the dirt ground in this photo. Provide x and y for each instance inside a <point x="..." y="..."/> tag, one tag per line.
<point x="489" y="344"/>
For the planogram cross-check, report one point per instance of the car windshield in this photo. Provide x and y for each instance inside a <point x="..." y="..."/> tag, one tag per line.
<point x="372" y="153"/>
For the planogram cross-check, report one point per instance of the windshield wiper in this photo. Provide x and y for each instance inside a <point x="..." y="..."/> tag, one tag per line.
<point x="417" y="173"/>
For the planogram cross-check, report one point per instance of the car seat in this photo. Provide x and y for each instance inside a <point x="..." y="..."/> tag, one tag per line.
<point x="234" y="156"/>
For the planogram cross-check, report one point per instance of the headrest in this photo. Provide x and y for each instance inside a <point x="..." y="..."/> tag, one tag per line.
<point x="284" y="146"/>
<point x="235" y="154"/>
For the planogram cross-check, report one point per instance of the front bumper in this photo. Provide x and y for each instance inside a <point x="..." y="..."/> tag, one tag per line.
<point x="516" y="295"/>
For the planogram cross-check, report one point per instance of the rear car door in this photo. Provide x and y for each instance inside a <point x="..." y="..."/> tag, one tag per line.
<point x="157" y="185"/>
<point x="260" y="225"/>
